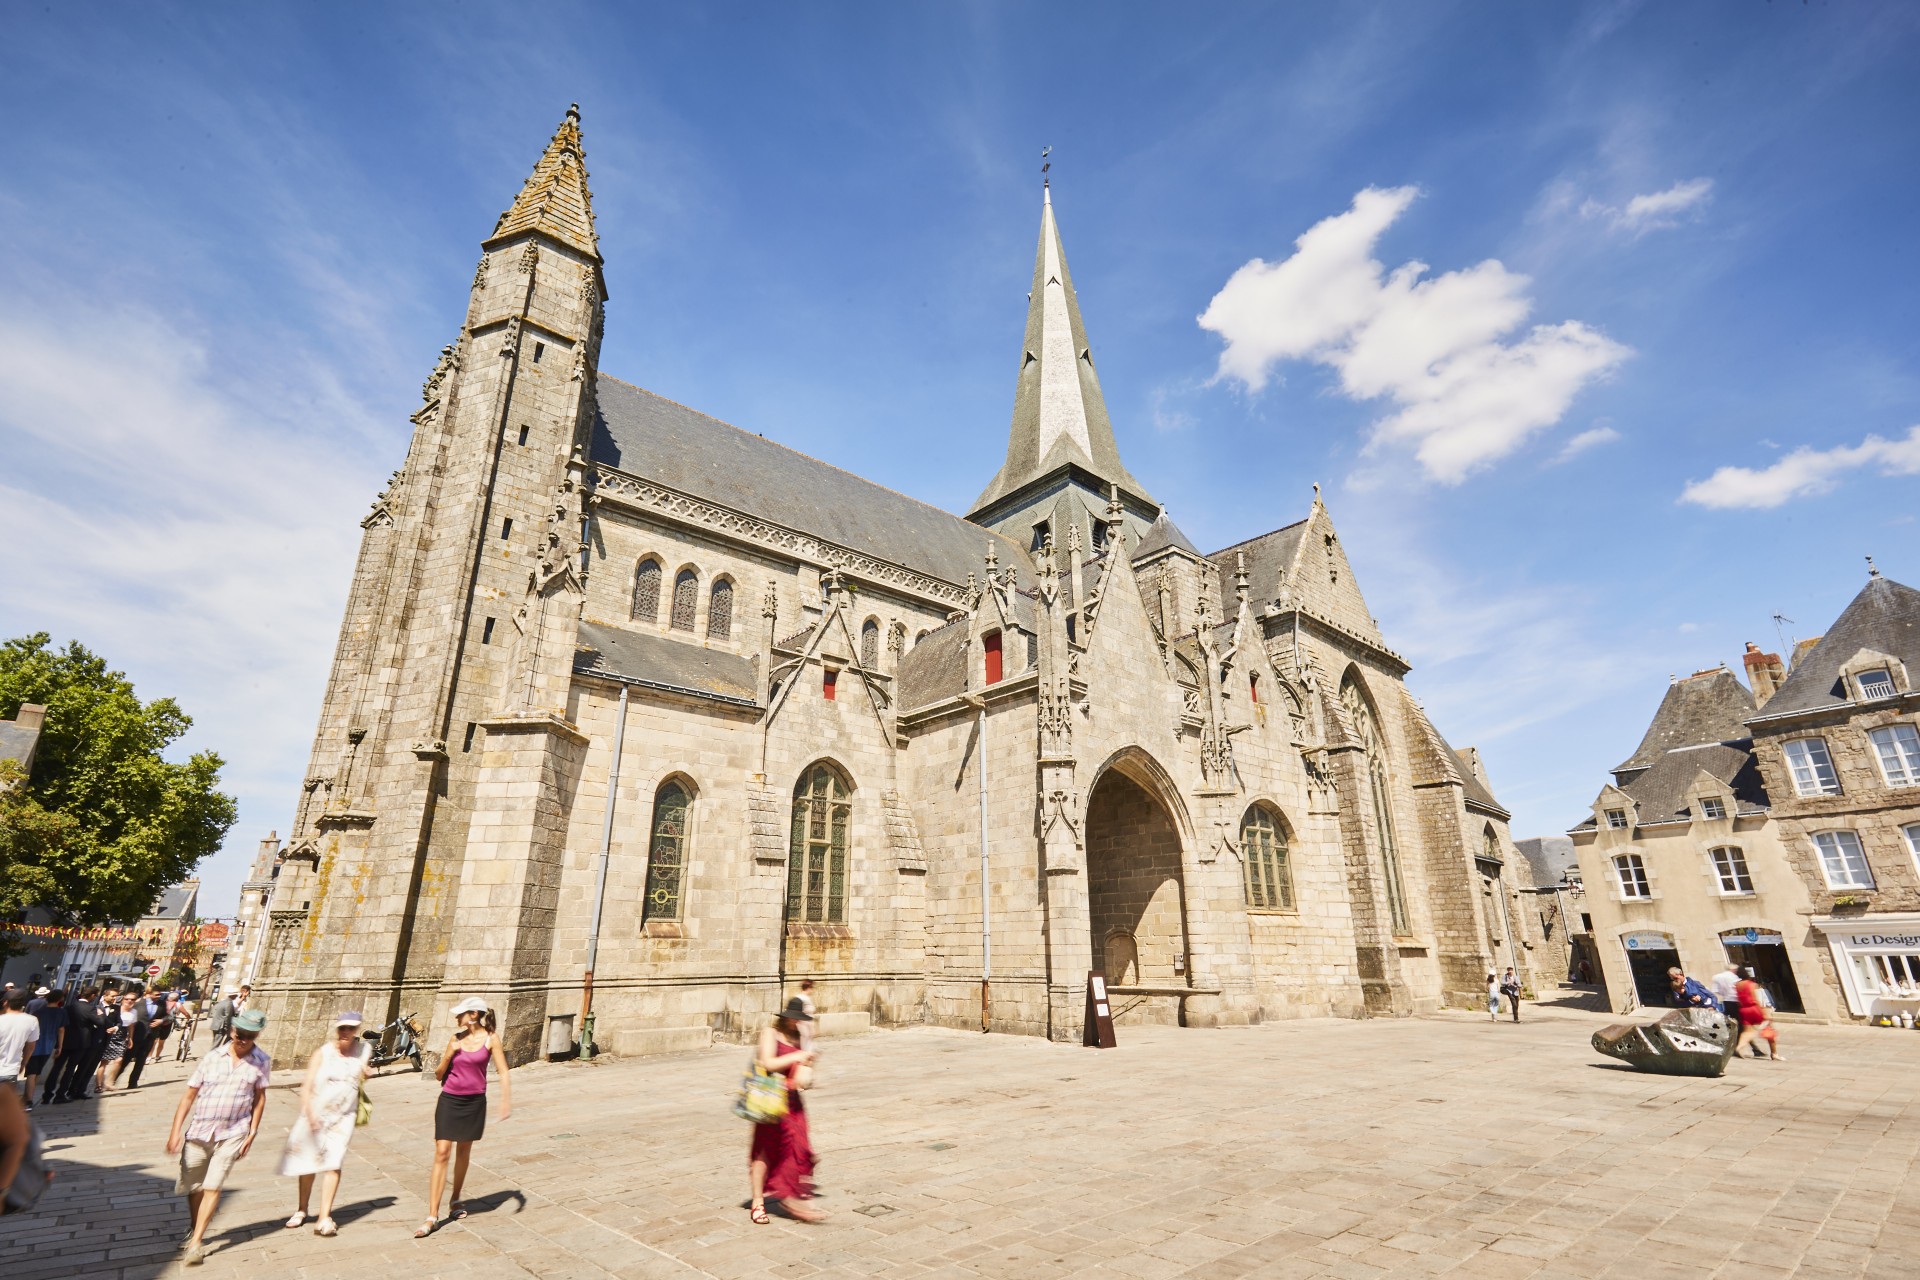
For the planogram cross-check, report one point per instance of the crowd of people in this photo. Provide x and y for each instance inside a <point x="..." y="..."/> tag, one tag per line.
<point x="1736" y="995"/>
<point x="65" y="1047"/>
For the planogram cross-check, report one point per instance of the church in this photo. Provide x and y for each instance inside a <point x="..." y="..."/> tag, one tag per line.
<point x="639" y="715"/>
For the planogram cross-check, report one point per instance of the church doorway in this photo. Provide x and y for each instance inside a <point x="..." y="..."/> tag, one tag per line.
<point x="1136" y="898"/>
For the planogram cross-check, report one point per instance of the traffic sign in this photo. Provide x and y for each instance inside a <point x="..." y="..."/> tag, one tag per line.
<point x="153" y="971"/>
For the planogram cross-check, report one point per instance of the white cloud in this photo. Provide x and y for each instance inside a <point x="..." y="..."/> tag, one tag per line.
<point x="1586" y="440"/>
<point x="1436" y="347"/>
<point x="1654" y="210"/>
<point x="1804" y="472"/>
<point x="164" y="507"/>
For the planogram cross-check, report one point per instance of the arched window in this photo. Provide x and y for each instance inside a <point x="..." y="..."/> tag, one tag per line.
<point x="1490" y="845"/>
<point x="646" y="591"/>
<point x="870" y="644"/>
<point x="667" y="852"/>
<point x="990" y="644"/>
<point x="720" y="611"/>
<point x="817" y="858"/>
<point x="1263" y="843"/>
<point x="686" y="591"/>
<point x="1360" y="716"/>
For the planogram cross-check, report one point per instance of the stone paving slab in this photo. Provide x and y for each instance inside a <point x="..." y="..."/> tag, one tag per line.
<point x="1444" y="1146"/>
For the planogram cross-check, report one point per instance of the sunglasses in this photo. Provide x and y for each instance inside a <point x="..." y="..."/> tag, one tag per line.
<point x="246" y="1037"/>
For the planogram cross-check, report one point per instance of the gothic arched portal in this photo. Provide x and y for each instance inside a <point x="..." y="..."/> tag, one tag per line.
<point x="1136" y="896"/>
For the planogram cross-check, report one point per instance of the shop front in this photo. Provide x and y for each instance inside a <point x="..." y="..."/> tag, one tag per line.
<point x="1878" y="960"/>
<point x="1764" y="951"/>
<point x="1649" y="955"/>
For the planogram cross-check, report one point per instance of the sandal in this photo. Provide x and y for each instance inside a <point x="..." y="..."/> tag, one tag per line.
<point x="299" y="1219"/>
<point x="758" y="1215"/>
<point x="326" y="1227"/>
<point x="426" y="1229"/>
<point x="458" y="1210"/>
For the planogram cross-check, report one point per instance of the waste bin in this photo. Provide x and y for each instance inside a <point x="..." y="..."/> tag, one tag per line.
<point x="559" y="1035"/>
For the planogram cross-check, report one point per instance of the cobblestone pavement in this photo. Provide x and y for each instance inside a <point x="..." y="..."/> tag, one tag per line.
<point x="1445" y="1145"/>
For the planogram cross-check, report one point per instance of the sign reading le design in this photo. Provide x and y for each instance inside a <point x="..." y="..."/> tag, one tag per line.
<point x="1098" y="1024"/>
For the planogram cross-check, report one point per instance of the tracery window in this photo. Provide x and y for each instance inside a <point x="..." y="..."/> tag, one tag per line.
<point x="817" y="857"/>
<point x="870" y="644"/>
<point x="667" y="852"/>
<point x="1360" y="716"/>
<point x="686" y="590"/>
<point x="646" y="591"/>
<point x="720" y="611"/>
<point x="1263" y="843"/>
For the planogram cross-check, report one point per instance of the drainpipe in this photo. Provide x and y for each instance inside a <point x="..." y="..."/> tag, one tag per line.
<point x="600" y="881"/>
<point x="986" y="931"/>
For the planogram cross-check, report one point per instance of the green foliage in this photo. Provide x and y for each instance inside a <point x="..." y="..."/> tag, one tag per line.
<point x="104" y="822"/>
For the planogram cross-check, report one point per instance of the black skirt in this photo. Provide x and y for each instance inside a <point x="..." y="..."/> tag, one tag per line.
<point x="460" y="1117"/>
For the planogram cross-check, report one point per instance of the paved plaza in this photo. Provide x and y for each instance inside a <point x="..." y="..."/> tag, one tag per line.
<point x="1444" y="1145"/>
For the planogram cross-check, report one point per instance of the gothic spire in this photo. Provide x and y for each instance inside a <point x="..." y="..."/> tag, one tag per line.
<point x="1059" y="415"/>
<point x="555" y="201"/>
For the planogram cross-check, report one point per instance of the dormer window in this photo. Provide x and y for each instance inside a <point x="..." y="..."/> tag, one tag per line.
<point x="1875" y="684"/>
<point x="1616" y="819"/>
<point x="1099" y="534"/>
<point x="1712" y="809"/>
<point x="1041" y="533"/>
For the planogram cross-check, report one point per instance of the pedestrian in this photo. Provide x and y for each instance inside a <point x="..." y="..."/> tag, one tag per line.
<point x="123" y="1033"/>
<point x="19" y="1033"/>
<point x="185" y="1019"/>
<point x="70" y="1069"/>
<point x="1724" y="985"/>
<point x="1586" y="971"/>
<point x="329" y="1109"/>
<point x="1493" y="997"/>
<point x="52" y="1017"/>
<point x="152" y="1016"/>
<point x="1768" y="1032"/>
<point x="780" y="1162"/>
<point x="220" y="1019"/>
<point x="165" y="1005"/>
<point x="1510" y="988"/>
<point x="460" y="1118"/>
<point x="245" y="997"/>
<point x="23" y="1171"/>
<point x="1687" y="993"/>
<point x="216" y="1122"/>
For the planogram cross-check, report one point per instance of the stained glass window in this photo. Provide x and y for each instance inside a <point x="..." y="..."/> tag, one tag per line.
<point x="817" y="858"/>
<point x="870" y="644"/>
<point x="686" y="589"/>
<point x="1360" y="716"/>
<point x="666" y="853"/>
<point x="646" y="591"/>
<point x="1264" y="845"/>
<point x="720" y="611"/>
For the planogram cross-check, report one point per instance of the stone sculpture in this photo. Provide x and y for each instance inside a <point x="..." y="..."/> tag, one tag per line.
<point x="1687" y="1042"/>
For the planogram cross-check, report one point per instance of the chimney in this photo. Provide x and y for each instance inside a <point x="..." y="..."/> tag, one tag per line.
<point x="1801" y="649"/>
<point x="30" y="716"/>
<point x="1765" y="674"/>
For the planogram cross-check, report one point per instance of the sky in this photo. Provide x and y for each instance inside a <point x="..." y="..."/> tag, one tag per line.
<point x="1597" y="324"/>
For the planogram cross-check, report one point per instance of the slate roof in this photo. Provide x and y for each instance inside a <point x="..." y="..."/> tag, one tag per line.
<point x="1884" y="617"/>
<point x="935" y="669"/>
<point x="654" y="660"/>
<point x="1709" y="707"/>
<point x="554" y="200"/>
<point x="1476" y="790"/>
<point x="1549" y="858"/>
<point x="1268" y="556"/>
<point x="1164" y="533"/>
<point x="648" y="435"/>
<point x="1659" y="793"/>
<point x="175" y="903"/>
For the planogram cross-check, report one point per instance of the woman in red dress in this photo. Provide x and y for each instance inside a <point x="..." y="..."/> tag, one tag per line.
<point x="780" y="1163"/>
<point x="1753" y="1016"/>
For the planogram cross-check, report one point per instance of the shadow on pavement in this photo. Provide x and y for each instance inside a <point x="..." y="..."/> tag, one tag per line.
<point x="342" y="1215"/>
<point x="492" y="1201"/>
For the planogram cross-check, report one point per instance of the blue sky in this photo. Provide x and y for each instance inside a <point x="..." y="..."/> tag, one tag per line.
<point x="1605" y="346"/>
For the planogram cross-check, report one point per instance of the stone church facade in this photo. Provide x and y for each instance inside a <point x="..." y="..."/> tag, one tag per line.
<point x="623" y="689"/>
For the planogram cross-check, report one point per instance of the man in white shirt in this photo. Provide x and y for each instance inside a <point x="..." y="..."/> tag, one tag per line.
<point x="1723" y="984"/>
<point x="19" y="1030"/>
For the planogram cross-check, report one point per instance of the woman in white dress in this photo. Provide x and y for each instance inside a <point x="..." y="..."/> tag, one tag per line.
<point x="329" y="1102"/>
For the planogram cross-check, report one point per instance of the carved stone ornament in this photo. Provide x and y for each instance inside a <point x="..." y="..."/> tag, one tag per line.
<point x="529" y="258"/>
<point x="449" y="362"/>
<point x="1057" y="807"/>
<point x="510" y="340"/>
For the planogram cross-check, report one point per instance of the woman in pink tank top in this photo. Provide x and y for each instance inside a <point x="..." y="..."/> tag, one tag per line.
<point x="460" y="1119"/>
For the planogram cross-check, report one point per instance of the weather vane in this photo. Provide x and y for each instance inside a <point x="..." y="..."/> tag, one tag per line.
<point x="1045" y="164"/>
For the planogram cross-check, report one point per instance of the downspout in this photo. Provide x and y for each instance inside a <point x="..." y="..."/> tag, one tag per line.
<point x="600" y="881"/>
<point x="986" y="930"/>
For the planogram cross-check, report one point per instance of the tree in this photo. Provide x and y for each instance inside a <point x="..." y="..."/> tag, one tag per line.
<point x="103" y="822"/>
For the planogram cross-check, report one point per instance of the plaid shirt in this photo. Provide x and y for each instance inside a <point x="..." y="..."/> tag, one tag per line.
<point x="224" y="1107"/>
